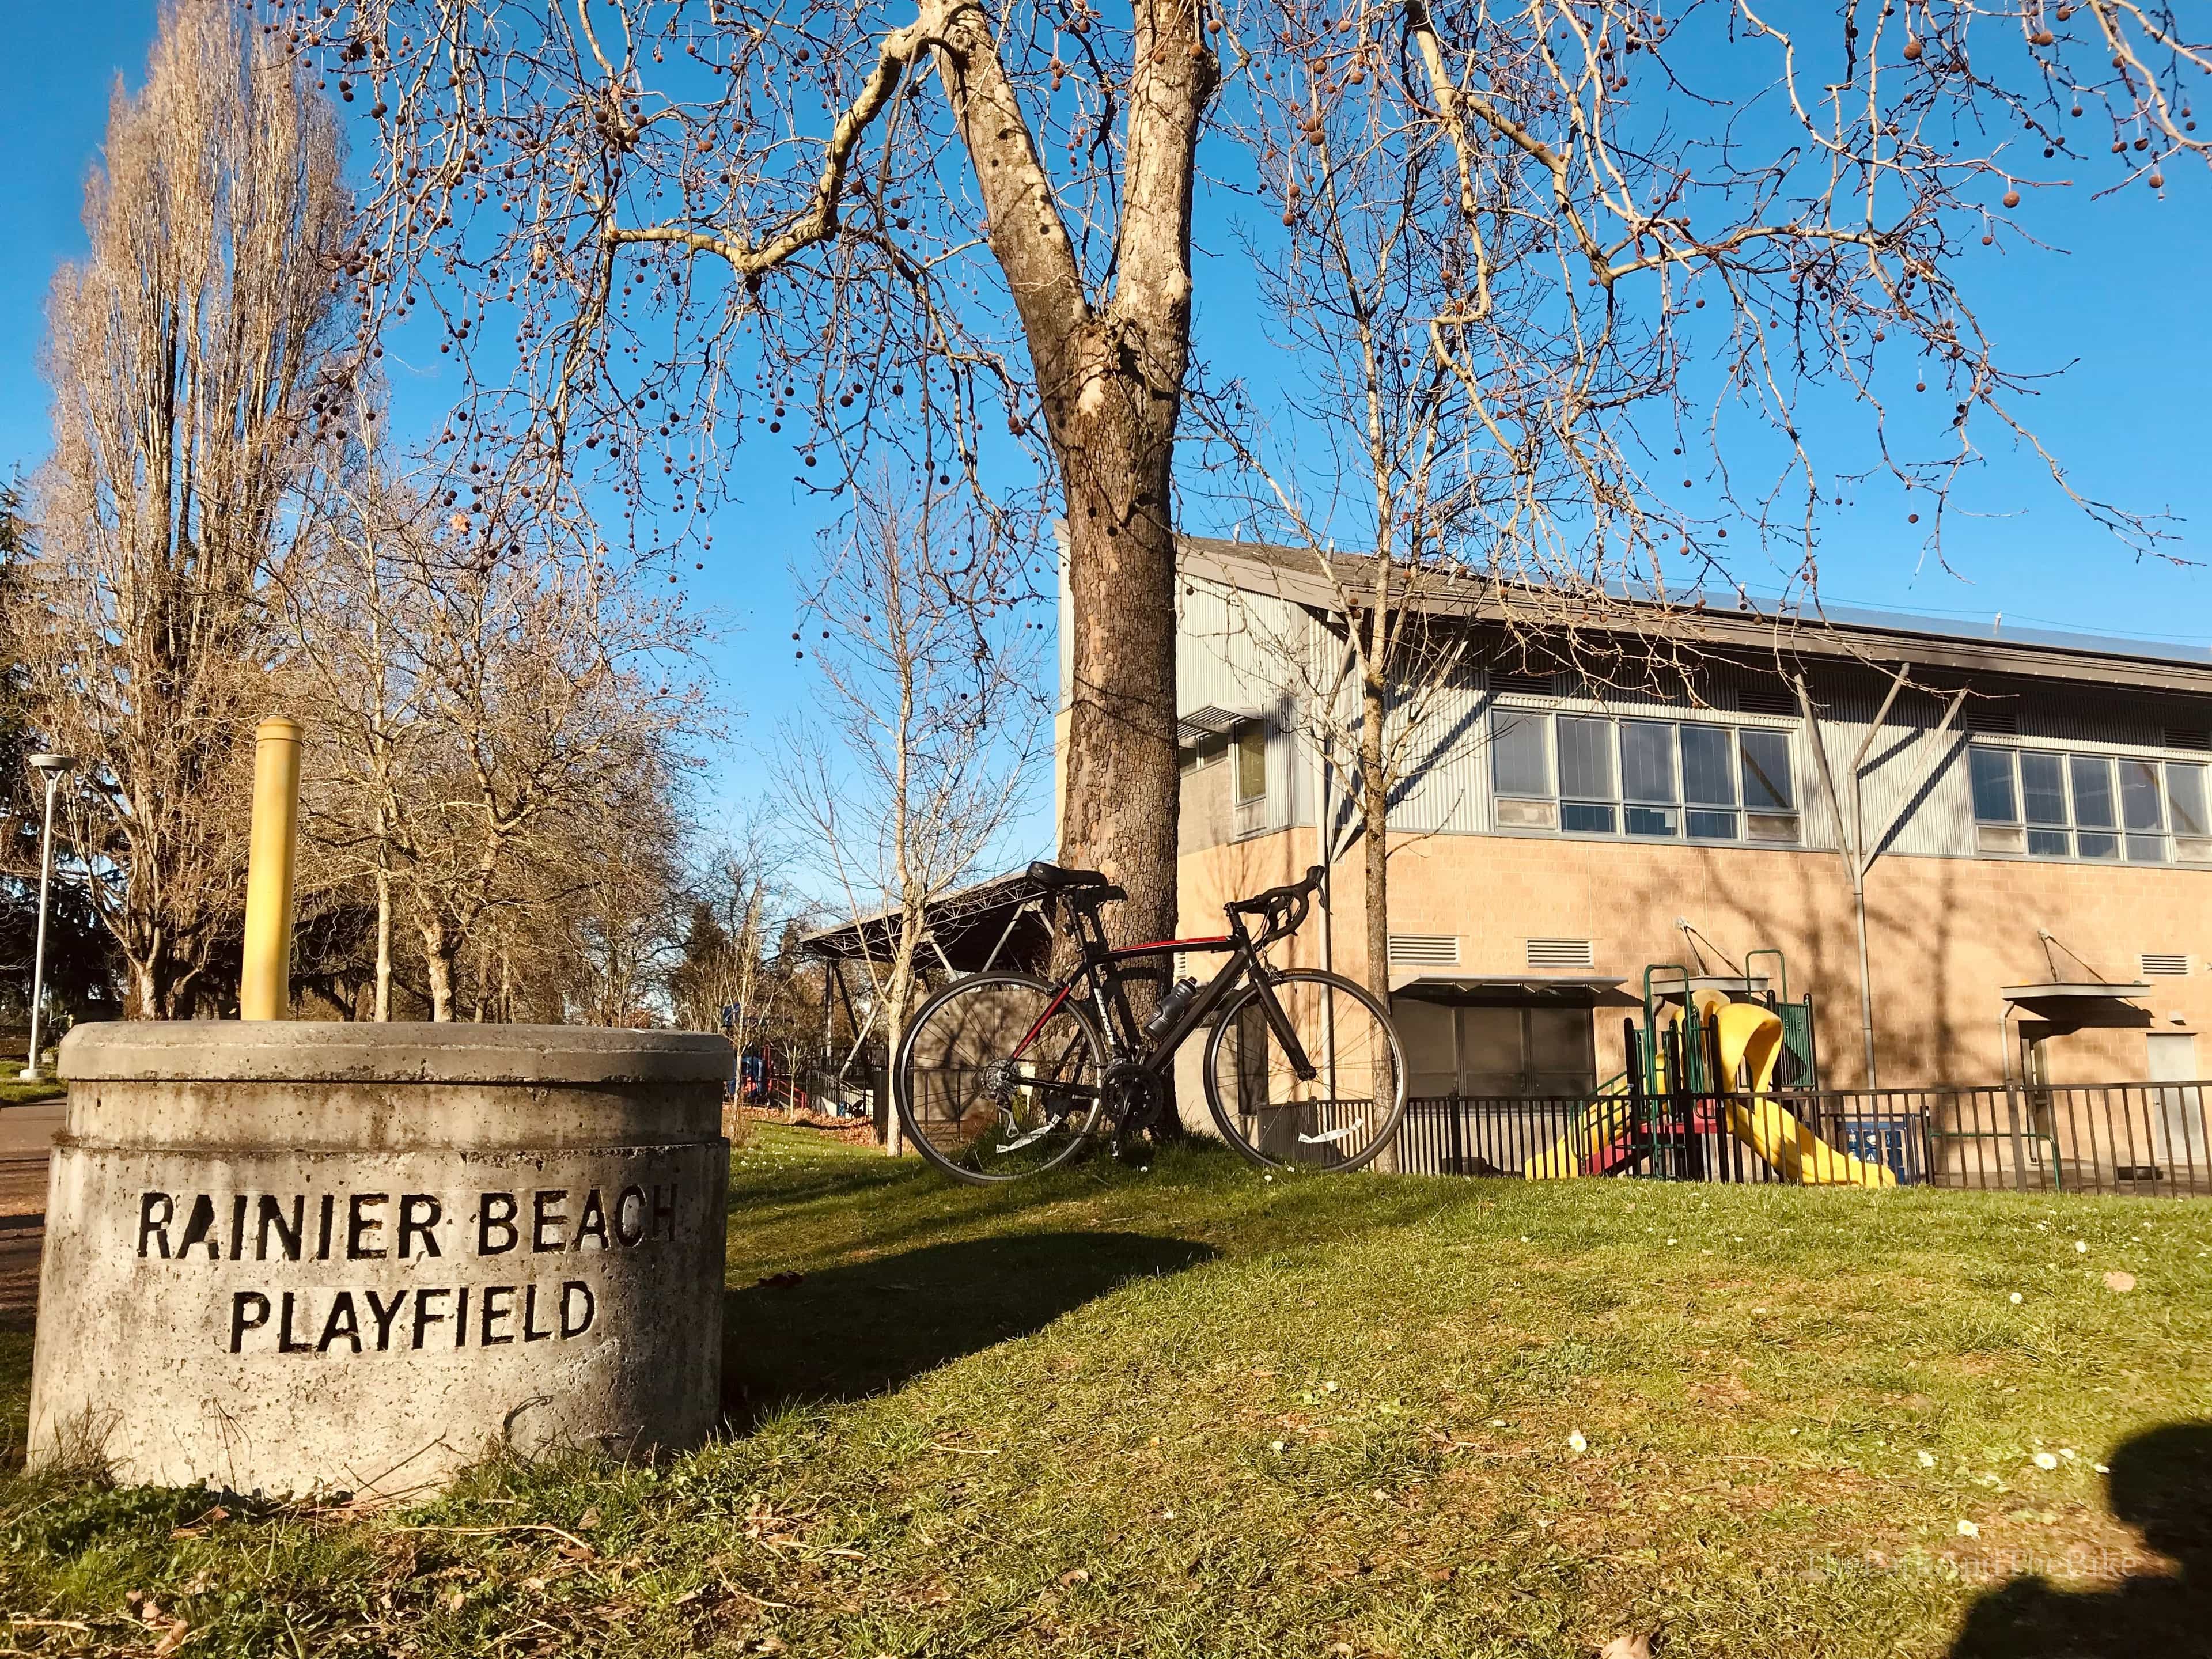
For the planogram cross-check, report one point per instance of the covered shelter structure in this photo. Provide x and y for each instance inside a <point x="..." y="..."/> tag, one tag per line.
<point x="997" y="924"/>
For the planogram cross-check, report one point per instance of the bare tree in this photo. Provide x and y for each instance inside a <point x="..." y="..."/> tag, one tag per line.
<point x="552" y="693"/>
<point x="759" y="215"/>
<point x="500" y="753"/>
<point x="739" y="903"/>
<point x="615" y="890"/>
<point x="929" y="727"/>
<point x="185" y="352"/>
<point x="1370" y="443"/>
<point x="351" y="604"/>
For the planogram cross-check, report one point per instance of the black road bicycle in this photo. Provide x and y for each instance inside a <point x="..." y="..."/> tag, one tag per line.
<point x="1002" y="1075"/>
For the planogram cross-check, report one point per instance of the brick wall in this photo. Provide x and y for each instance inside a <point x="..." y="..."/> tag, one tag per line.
<point x="1944" y="934"/>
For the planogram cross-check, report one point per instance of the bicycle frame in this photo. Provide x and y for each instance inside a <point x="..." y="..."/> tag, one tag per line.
<point x="1101" y="968"/>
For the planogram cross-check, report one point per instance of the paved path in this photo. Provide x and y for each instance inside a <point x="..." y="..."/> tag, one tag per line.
<point x="26" y="1132"/>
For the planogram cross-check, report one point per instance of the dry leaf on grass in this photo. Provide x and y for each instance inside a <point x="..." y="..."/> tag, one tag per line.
<point x="171" y="1638"/>
<point x="2120" y="1281"/>
<point x="1635" y="1646"/>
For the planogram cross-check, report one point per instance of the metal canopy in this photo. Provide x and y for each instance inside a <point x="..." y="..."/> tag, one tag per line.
<point x="1570" y="991"/>
<point x="2077" y="1005"/>
<point x="2080" y="1005"/>
<point x="994" y="923"/>
<point x="1212" y="721"/>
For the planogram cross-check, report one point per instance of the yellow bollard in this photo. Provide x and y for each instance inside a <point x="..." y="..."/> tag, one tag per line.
<point x="264" y="985"/>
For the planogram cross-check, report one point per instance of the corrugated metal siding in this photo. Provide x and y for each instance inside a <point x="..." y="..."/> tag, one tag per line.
<point x="1243" y="652"/>
<point x="1913" y="788"/>
<point x="1446" y="774"/>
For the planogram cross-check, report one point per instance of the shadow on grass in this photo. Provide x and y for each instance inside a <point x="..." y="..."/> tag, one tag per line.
<point x="849" y="1332"/>
<point x="2162" y="1485"/>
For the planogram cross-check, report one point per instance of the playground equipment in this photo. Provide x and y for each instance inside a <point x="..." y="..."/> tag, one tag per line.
<point x="1749" y="1036"/>
<point x="1706" y="1063"/>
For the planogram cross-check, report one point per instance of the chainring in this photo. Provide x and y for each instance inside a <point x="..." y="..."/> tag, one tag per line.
<point x="1134" y="1098"/>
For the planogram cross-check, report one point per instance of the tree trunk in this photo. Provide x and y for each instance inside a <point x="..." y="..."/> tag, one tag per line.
<point x="439" y="950"/>
<point x="145" y="1000"/>
<point x="383" y="946"/>
<point x="1123" y="791"/>
<point x="1375" y="830"/>
<point x="894" y="1031"/>
<point x="1111" y="379"/>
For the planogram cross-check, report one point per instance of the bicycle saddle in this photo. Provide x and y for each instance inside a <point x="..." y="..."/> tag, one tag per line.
<point x="1089" y="884"/>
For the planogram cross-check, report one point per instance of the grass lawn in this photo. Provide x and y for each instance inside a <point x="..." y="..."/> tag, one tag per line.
<point x="14" y="1091"/>
<point x="1193" y="1412"/>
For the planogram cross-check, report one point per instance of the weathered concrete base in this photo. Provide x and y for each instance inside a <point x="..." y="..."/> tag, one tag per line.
<point x="230" y="1297"/>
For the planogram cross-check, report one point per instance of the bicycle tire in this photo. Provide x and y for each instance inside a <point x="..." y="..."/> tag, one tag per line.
<point x="918" y="1130"/>
<point x="1228" y="1123"/>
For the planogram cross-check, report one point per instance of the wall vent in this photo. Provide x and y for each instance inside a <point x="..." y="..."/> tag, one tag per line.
<point x="1425" y="950"/>
<point x="2168" y="963"/>
<point x="1994" y="723"/>
<point x="1521" y="685"/>
<point x="1561" y="953"/>
<point x="2194" y="739"/>
<point x="1765" y="697"/>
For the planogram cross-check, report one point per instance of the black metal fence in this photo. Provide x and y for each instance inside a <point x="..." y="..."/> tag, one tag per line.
<point x="830" y="1083"/>
<point x="2149" y="1138"/>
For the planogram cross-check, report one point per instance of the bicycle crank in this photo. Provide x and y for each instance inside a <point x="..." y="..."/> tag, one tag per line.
<point x="1134" y="1098"/>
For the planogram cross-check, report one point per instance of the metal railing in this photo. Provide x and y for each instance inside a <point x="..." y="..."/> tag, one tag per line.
<point x="2142" y="1138"/>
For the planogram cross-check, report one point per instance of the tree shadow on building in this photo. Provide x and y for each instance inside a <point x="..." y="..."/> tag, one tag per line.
<point x="2162" y="1485"/>
<point x="852" y="1331"/>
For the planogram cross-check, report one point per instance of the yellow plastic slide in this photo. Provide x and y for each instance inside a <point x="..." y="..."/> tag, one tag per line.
<point x="1599" y="1144"/>
<point x="1582" y="1150"/>
<point x="1750" y="1035"/>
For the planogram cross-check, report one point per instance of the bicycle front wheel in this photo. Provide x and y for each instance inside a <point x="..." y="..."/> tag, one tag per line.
<point x="998" y="1078"/>
<point x="1342" y="1117"/>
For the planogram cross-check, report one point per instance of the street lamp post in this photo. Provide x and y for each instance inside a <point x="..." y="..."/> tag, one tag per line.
<point x="52" y="768"/>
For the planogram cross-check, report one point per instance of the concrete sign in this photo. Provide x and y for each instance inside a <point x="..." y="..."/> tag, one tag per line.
<point x="288" y="1257"/>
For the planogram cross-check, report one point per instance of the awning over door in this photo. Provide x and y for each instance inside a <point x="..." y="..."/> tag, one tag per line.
<point x="1507" y="990"/>
<point x="2081" y="1005"/>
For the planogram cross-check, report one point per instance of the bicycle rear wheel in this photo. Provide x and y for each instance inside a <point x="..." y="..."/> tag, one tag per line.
<point x="1345" y="1115"/>
<point x="998" y="1078"/>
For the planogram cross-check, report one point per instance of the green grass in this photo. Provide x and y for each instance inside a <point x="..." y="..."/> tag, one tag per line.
<point x="1191" y="1411"/>
<point x="14" y="1091"/>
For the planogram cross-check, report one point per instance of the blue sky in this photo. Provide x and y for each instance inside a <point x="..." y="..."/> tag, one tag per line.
<point x="2121" y="313"/>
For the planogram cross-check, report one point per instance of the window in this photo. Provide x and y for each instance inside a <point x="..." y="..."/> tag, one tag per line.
<point x="1521" y="769"/>
<point x="1708" y="782"/>
<point x="2090" y="807"/>
<point x="1656" y="779"/>
<point x="2093" y="806"/>
<point x="1586" y="787"/>
<point x="1770" y="790"/>
<point x="1647" y="775"/>
<point x="1997" y="810"/>
<point x="1251" y="763"/>
<point x="2143" y="811"/>
<point x="2184" y="799"/>
<point x="2043" y="796"/>
<point x="1202" y="754"/>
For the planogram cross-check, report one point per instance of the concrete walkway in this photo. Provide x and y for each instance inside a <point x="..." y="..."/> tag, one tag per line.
<point x="25" y="1135"/>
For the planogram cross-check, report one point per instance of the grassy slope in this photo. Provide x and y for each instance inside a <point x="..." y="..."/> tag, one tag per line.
<point x="1192" y="1411"/>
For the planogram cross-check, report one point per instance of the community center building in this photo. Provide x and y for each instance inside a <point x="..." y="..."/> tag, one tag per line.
<point x="1591" y="811"/>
